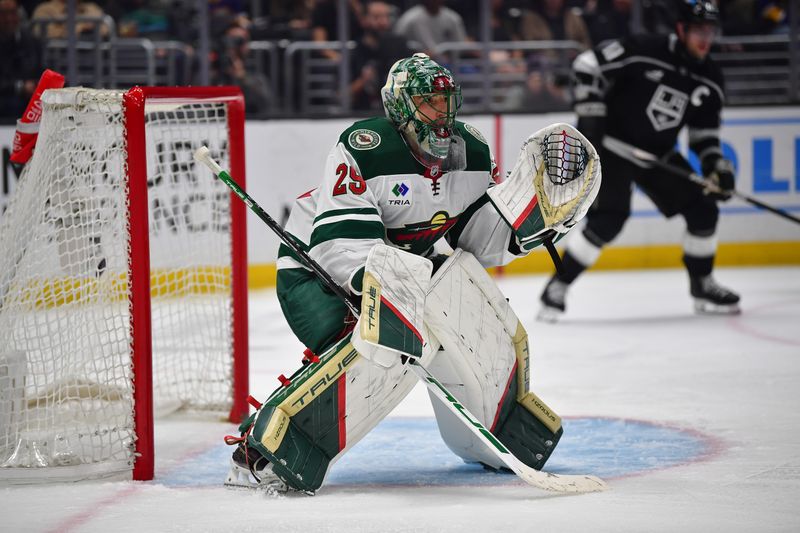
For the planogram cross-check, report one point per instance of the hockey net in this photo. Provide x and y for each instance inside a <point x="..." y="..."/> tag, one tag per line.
<point x="122" y="281"/>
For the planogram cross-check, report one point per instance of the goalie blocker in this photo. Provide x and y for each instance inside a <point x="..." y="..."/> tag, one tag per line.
<point x="470" y="337"/>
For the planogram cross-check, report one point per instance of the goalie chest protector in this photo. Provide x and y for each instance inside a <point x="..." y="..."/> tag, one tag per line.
<point x="417" y="205"/>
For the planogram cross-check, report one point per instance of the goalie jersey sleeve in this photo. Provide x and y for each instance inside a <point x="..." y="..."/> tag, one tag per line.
<point x="347" y="222"/>
<point x="373" y="191"/>
<point x="642" y="91"/>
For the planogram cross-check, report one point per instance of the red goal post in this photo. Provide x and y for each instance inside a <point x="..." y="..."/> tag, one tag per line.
<point x="124" y="280"/>
<point x="134" y="102"/>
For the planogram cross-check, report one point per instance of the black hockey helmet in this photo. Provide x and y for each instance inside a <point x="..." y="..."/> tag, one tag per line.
<point x="698" y="12"/>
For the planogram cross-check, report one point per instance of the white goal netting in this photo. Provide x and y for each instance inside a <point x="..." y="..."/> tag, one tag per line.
<point x="66" y="372"/>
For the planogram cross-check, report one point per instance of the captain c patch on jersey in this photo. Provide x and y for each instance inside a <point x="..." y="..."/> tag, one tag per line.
<point x="399" y="193"/>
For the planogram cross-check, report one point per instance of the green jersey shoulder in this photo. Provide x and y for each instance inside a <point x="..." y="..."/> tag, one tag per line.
<point x="479" y="156"/>
<point x="379" y="149"/>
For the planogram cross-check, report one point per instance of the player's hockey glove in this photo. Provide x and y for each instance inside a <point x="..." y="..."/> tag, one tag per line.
<point x="720" y="180"/>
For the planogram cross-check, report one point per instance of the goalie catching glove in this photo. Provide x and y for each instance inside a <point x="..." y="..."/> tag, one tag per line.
<point x="554" y="181"/>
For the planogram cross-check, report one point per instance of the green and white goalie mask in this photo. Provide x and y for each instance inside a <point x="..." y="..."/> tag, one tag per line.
<point x="421" y="99"/>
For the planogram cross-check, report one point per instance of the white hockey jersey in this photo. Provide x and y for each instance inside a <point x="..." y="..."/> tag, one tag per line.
<point x="374" y="191"/>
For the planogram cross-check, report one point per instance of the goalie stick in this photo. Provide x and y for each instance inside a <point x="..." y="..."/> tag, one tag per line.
<point x="699" y="180"/>
<point x="564" y="483"/>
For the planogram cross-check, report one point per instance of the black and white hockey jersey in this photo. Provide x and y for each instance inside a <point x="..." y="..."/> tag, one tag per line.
<point x="642" y="90"/>
<point x="374" y="191"/>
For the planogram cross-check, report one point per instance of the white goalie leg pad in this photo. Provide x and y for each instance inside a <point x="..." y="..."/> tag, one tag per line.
<point x="483" y="343"/>
<point x="554" y="181"/>
<point x="392" y="306"/>
<point x="372" y="392"/>
<point x="331" y="403"/>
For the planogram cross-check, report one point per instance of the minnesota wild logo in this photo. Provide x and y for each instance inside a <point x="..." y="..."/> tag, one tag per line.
<point x="475" y="133"/>
<point x="364" y="139"/>
<point x="418" y="237"/>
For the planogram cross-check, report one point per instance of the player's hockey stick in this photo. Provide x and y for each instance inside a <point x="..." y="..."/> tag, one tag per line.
<point x="645" y="156"/>
<point x="542" y="480"/>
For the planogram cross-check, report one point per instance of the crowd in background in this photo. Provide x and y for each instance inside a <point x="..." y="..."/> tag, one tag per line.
<point x="383" y="30"/>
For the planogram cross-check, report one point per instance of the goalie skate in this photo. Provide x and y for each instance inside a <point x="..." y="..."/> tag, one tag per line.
<point x="251" y="470"/>
<point x="710" y="298"/>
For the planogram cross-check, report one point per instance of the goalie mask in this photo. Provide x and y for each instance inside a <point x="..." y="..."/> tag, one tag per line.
<point x="421" y="99"/>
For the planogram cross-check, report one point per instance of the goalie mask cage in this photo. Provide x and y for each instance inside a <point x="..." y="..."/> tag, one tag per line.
<point x="123" y="285"/>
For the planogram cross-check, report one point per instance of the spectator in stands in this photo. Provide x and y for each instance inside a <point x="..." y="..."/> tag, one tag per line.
<point x="144" y="18"/>
<point x="375" y="53"/>
<point x="283" y="19"/>
<point x="608" y="19"/>
<point x="430" y="24"/>
<point x="658" y="16"/>
<point x="505" y="17"/>
<point x="540" y="93"/>
<point x="470" y="11"/>
<point x="739" y="17"/>
<point x="20" y="61"/>
<point x="57" y="9"/>
<point x="774" y="16"/>
<point x="504" y="20"/>
<point x="231" y="70"/>
<point x="233" y="8"/>
<point x="551" y="20"/>
<point x="324" y="23"/>
<point x="26" y="8"/>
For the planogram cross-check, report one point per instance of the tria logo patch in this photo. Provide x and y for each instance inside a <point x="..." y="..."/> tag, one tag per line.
<point x="364" y="139"/>
<point x="399" y="194"/>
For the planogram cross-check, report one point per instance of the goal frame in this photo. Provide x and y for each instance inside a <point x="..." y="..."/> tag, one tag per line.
<point x="134" y="101"/>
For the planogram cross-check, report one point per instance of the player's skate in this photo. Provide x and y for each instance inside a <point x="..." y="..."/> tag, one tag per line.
<point x="552" y="298"/>
<point x="251" y="470"/>
<point x="712" y="298"/>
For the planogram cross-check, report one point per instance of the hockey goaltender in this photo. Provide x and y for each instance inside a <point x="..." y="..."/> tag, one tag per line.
<point x="394" y="189"/>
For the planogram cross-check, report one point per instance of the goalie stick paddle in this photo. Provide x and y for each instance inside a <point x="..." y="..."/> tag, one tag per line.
<point x="563" y="483"/>
<point x="537" y="478"/>
<point x="702" y="182"/>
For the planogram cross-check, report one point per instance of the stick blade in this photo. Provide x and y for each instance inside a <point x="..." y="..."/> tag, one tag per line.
<point x="564" y="483"/>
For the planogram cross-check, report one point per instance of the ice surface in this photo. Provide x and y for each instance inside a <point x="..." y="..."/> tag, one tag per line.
<point x="693" y="420"/>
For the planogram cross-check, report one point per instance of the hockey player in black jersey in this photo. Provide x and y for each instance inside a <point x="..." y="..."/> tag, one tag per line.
<point x="637" y="94"/>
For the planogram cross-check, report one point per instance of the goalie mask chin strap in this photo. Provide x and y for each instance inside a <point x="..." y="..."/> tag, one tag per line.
<point x="551" y="249"/>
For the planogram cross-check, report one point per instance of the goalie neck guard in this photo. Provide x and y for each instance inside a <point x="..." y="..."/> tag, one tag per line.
<point x="421" y="99"/>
